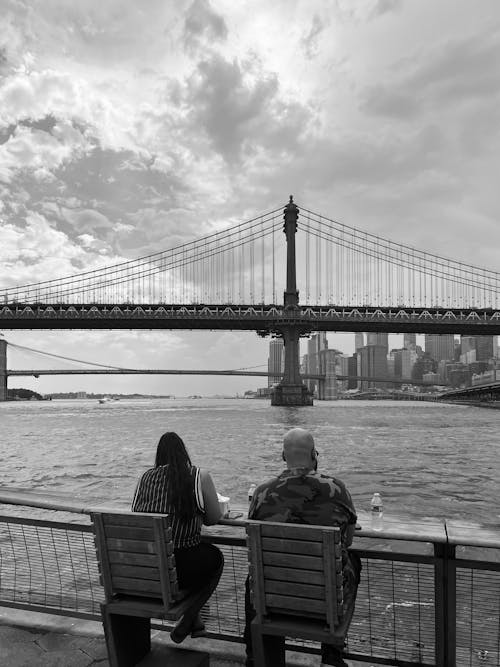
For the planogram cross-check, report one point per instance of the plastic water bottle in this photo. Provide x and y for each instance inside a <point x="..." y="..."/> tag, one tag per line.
<point x="251" y="491"/>
<point x="377" y="512"/>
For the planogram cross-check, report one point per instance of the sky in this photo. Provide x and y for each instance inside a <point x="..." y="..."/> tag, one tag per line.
<point x="131" y="127"/>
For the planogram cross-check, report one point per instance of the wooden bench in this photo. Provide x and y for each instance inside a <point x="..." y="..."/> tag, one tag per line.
<point x="296" y="585"/>
<point x="137" y="566"/>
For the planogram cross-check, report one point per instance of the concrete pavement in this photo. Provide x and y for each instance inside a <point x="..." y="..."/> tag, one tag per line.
<point x="31" y="639"/>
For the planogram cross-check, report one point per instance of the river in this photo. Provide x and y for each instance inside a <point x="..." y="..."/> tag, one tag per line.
<point x="426" y="459"/>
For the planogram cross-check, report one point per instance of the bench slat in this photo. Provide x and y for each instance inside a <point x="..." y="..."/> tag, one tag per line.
<point x="134" y="572"/>
<point x="298" y="605"/>
<point x="130" y="546"/>
<point x="138" y="519"/>
<point x="147" y="560"/>
<point x="294" y="561"/>
<point x="301" y="591"/>
<point x="307" y="547"/>
<point x="130" y="532"/>
<point x="127" y="584"/>
<point x="294" y="576"/>
<point x="138" y="572"/>
<point x="300" y="532"/>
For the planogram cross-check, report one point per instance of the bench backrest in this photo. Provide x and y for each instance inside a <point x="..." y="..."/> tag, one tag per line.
<point x="296" y="570"/>
<point x="136" y="556"/>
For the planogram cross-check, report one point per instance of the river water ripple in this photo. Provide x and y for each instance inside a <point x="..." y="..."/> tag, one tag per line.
<point x="427" y="460"/>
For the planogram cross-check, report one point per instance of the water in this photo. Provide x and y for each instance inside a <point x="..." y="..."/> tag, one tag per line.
<point x="426" y="460"/>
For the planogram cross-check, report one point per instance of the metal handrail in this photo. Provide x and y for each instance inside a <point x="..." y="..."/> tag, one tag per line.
<point x="427" y="597"/>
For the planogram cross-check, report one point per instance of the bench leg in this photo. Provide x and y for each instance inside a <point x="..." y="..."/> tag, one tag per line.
<point x="268" y="650"/>
<point x="128" y="638"/>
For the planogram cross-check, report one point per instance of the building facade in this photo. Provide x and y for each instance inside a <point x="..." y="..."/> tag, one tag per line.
<point x="372" y="363"/>
<point x="315" y="345"/>
<point x="276" y="361"/>
<point x="440" y="347"/>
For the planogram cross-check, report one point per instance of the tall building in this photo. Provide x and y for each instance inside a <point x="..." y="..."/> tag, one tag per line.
<point x="315" y="345"/>
<point x="276" y="361"/>
<point x="440" y="347"/>
<point x="485" y="348"/>
<point x="359" y="341"/>
<point x="410" y="341"/>
<point x="332" y="363"/>
<point x="381" y="339"/>
<point x="372" y="363"/>
<point x="403" y="362"/>
<point x="352" y="371"/>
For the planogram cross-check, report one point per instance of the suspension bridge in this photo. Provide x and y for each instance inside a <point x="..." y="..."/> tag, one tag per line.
<point x="234" y="279"/>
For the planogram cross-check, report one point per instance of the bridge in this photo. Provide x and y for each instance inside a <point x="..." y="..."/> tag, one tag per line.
<point x="350" y="280"/>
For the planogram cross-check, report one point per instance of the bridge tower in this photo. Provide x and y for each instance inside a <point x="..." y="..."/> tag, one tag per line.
<point x="291" y="390"/>
<point x="3" y="369"/>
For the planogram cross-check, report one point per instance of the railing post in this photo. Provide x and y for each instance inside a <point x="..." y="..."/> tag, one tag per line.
<point x="445" y="596"/>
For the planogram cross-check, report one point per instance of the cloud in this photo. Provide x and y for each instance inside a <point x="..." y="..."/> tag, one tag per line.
<point x="366" y="10"/>
<point x="458" y="71"/>
<point x="309" y="41"/>
<point x="39" y="151"/>
<point x="202" y="26"/>
<point x="35" y="249"/>
<point x="240" y="108"/>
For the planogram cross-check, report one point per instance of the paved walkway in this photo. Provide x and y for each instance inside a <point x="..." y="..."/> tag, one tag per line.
<point x="31" y="639"/>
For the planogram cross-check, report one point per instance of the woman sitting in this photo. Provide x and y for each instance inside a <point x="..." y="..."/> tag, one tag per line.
<point x="175" y="487"/>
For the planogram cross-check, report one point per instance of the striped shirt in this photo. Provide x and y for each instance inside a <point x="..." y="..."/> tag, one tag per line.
<point x="151" y="496"/>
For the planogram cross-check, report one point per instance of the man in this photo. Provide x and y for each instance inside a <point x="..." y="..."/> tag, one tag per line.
<point x="303" y="495"/>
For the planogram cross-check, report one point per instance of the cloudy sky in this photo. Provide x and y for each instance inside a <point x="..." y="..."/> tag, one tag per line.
<point x="128" y="127"/>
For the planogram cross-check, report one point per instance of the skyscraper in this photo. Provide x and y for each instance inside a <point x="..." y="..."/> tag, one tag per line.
<point x="380" y="339"/>
<point x="440" y="347"/>
<point x="485" y="348"/>
<point x="315" y="344"/>
<point x="359" y="341"/>
<point x="410" y="341"/>
<point x="275" y="362"/>
<point x="372" y="362"/>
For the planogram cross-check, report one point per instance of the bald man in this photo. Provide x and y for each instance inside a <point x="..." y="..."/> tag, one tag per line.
<point x="301" y="494"/>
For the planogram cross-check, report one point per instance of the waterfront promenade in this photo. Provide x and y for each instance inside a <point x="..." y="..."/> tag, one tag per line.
<point x="429" y="592"/>
<point x="31" y="639"/>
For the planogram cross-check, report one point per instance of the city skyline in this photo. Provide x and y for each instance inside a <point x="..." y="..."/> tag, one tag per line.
<point x="396" y="343"/>
<point x="125" y="130"/>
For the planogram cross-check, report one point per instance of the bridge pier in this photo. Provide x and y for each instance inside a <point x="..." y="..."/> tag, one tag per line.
<point x="3" y="370"/>
<point x="291" y="390"/>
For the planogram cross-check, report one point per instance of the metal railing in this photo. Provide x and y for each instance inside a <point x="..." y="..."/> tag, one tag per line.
<point x="429" y="592"/>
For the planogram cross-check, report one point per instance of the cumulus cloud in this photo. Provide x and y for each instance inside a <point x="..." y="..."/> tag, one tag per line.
<point x="39" y="151"/>
<point x="202" y="25"/>
<point x="239" y="107"/>
<point x="35" y="248"/>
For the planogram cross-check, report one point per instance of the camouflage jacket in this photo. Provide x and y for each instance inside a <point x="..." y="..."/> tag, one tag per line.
<point x="304" y="496"/>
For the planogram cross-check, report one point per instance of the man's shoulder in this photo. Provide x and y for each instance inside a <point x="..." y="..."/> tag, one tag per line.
<point x="267" y="484"/>
<point x="329" y="479"/>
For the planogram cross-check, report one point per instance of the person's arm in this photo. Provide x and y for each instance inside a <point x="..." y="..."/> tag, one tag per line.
<point x="349" y="533"/>
<point x="212" y="507"/>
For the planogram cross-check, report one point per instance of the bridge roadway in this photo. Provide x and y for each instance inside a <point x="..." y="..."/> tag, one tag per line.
<point x="141" y="371"/>
<point x="264" y="319"/>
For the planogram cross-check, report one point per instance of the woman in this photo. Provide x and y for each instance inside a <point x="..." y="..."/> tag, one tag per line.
<point x="175" y="487"/>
